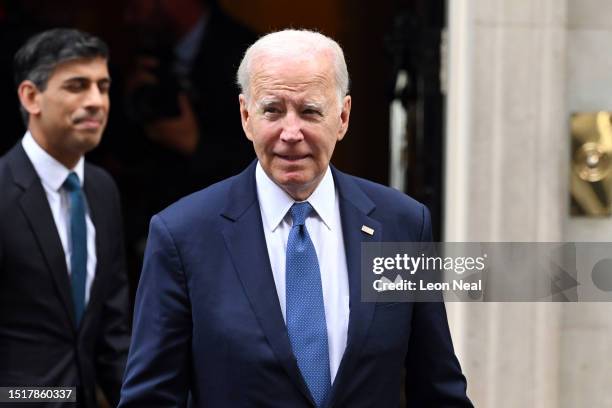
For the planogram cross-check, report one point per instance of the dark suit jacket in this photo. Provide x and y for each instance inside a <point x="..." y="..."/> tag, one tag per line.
<point x="40" y="343"/>
<point x="208" y="319"/>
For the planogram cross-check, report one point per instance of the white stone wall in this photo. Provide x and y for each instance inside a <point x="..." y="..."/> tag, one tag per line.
<point x="586" y="331"/>
<point x="517" y="68"/>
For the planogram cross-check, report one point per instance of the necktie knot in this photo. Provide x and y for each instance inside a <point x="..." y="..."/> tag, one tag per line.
<point x="299" y="212"/>
<point x="72" y="182"/>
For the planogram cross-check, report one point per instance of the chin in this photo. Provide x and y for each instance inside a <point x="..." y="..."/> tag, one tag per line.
<point x="89" y="143"/>
<point x="296" y="187"/>
<point x="294" y="180"/>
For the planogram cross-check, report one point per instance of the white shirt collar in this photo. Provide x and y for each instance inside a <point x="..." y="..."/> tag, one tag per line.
<point x="51" y="172"/>
<point x="275" y="202"/>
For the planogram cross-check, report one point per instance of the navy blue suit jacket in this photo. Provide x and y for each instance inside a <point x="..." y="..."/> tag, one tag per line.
<point x="40" y="342"/>
<point x="208" y="329"/>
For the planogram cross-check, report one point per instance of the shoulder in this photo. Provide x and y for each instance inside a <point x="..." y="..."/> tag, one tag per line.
<point x="3" y="166"/>
<point x="6" y="184"/>
<point x="100" y="185"/>
<point x="15" y="157"/>
<point x="202" y="207"/>
<point x="16" y="173"/>
<point x="387" y="199"/>
<point x="403" y="217"/>
<point x="99" y="176"/>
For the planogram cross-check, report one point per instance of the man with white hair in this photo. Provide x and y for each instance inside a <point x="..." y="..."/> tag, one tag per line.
<point x="250" y="294"/>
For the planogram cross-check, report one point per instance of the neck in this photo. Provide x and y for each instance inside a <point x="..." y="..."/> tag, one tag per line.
<point x="68" y="159"/>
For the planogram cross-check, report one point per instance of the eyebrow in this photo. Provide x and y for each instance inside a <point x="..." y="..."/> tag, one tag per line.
<point x="86" y="79"/>
<point x="314" y="106"/>
<point x="267" y="102"/>
<point x="274" y="100"/>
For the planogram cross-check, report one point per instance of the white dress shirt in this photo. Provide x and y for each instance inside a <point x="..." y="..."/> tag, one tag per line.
<point x="52" y="174"/>
<point x="325" y="230"/>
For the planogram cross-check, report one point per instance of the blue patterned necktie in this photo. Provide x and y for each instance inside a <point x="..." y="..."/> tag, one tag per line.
<point x="78" y="241"/>
<point x="305" y="310"/>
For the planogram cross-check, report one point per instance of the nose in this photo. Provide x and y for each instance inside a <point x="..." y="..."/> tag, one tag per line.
<point x="95" y="99"/>
<point x="291" y="128"/>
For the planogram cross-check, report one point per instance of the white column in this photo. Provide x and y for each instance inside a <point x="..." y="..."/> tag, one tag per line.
<point x="586" y="342"/>
<point x="506" y="181"/>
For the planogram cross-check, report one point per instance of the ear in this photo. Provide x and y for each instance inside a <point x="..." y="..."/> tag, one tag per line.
<point x="29" y="97"/>
<point x="345" y="114"/>
<point x="244" y="116"/>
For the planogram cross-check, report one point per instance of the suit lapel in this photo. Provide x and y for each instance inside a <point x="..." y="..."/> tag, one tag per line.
<point x="96" y="204"/>
<point x="355" y="206"/>
<point x="245" y="241"/>
<point x="36" y="209"/>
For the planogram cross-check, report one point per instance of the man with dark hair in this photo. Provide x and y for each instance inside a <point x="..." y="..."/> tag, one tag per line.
<point x="63" y="288"/>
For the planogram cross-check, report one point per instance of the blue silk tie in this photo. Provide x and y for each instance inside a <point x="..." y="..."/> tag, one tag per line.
<point x="306" y="324"/>
<point x="78" y="242"/>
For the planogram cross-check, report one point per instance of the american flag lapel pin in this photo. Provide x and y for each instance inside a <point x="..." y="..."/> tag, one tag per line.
<point x="367" y="230"/>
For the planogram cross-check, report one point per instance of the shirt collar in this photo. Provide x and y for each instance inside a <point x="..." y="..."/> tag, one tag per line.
<point x="275" y="202"/>
<point x="51" y="172"/>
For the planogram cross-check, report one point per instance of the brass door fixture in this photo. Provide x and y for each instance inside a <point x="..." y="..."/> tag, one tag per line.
<point x="591" y="168"/>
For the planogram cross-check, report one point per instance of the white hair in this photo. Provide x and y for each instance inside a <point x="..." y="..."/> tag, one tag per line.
<point x="293" y="42"/>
